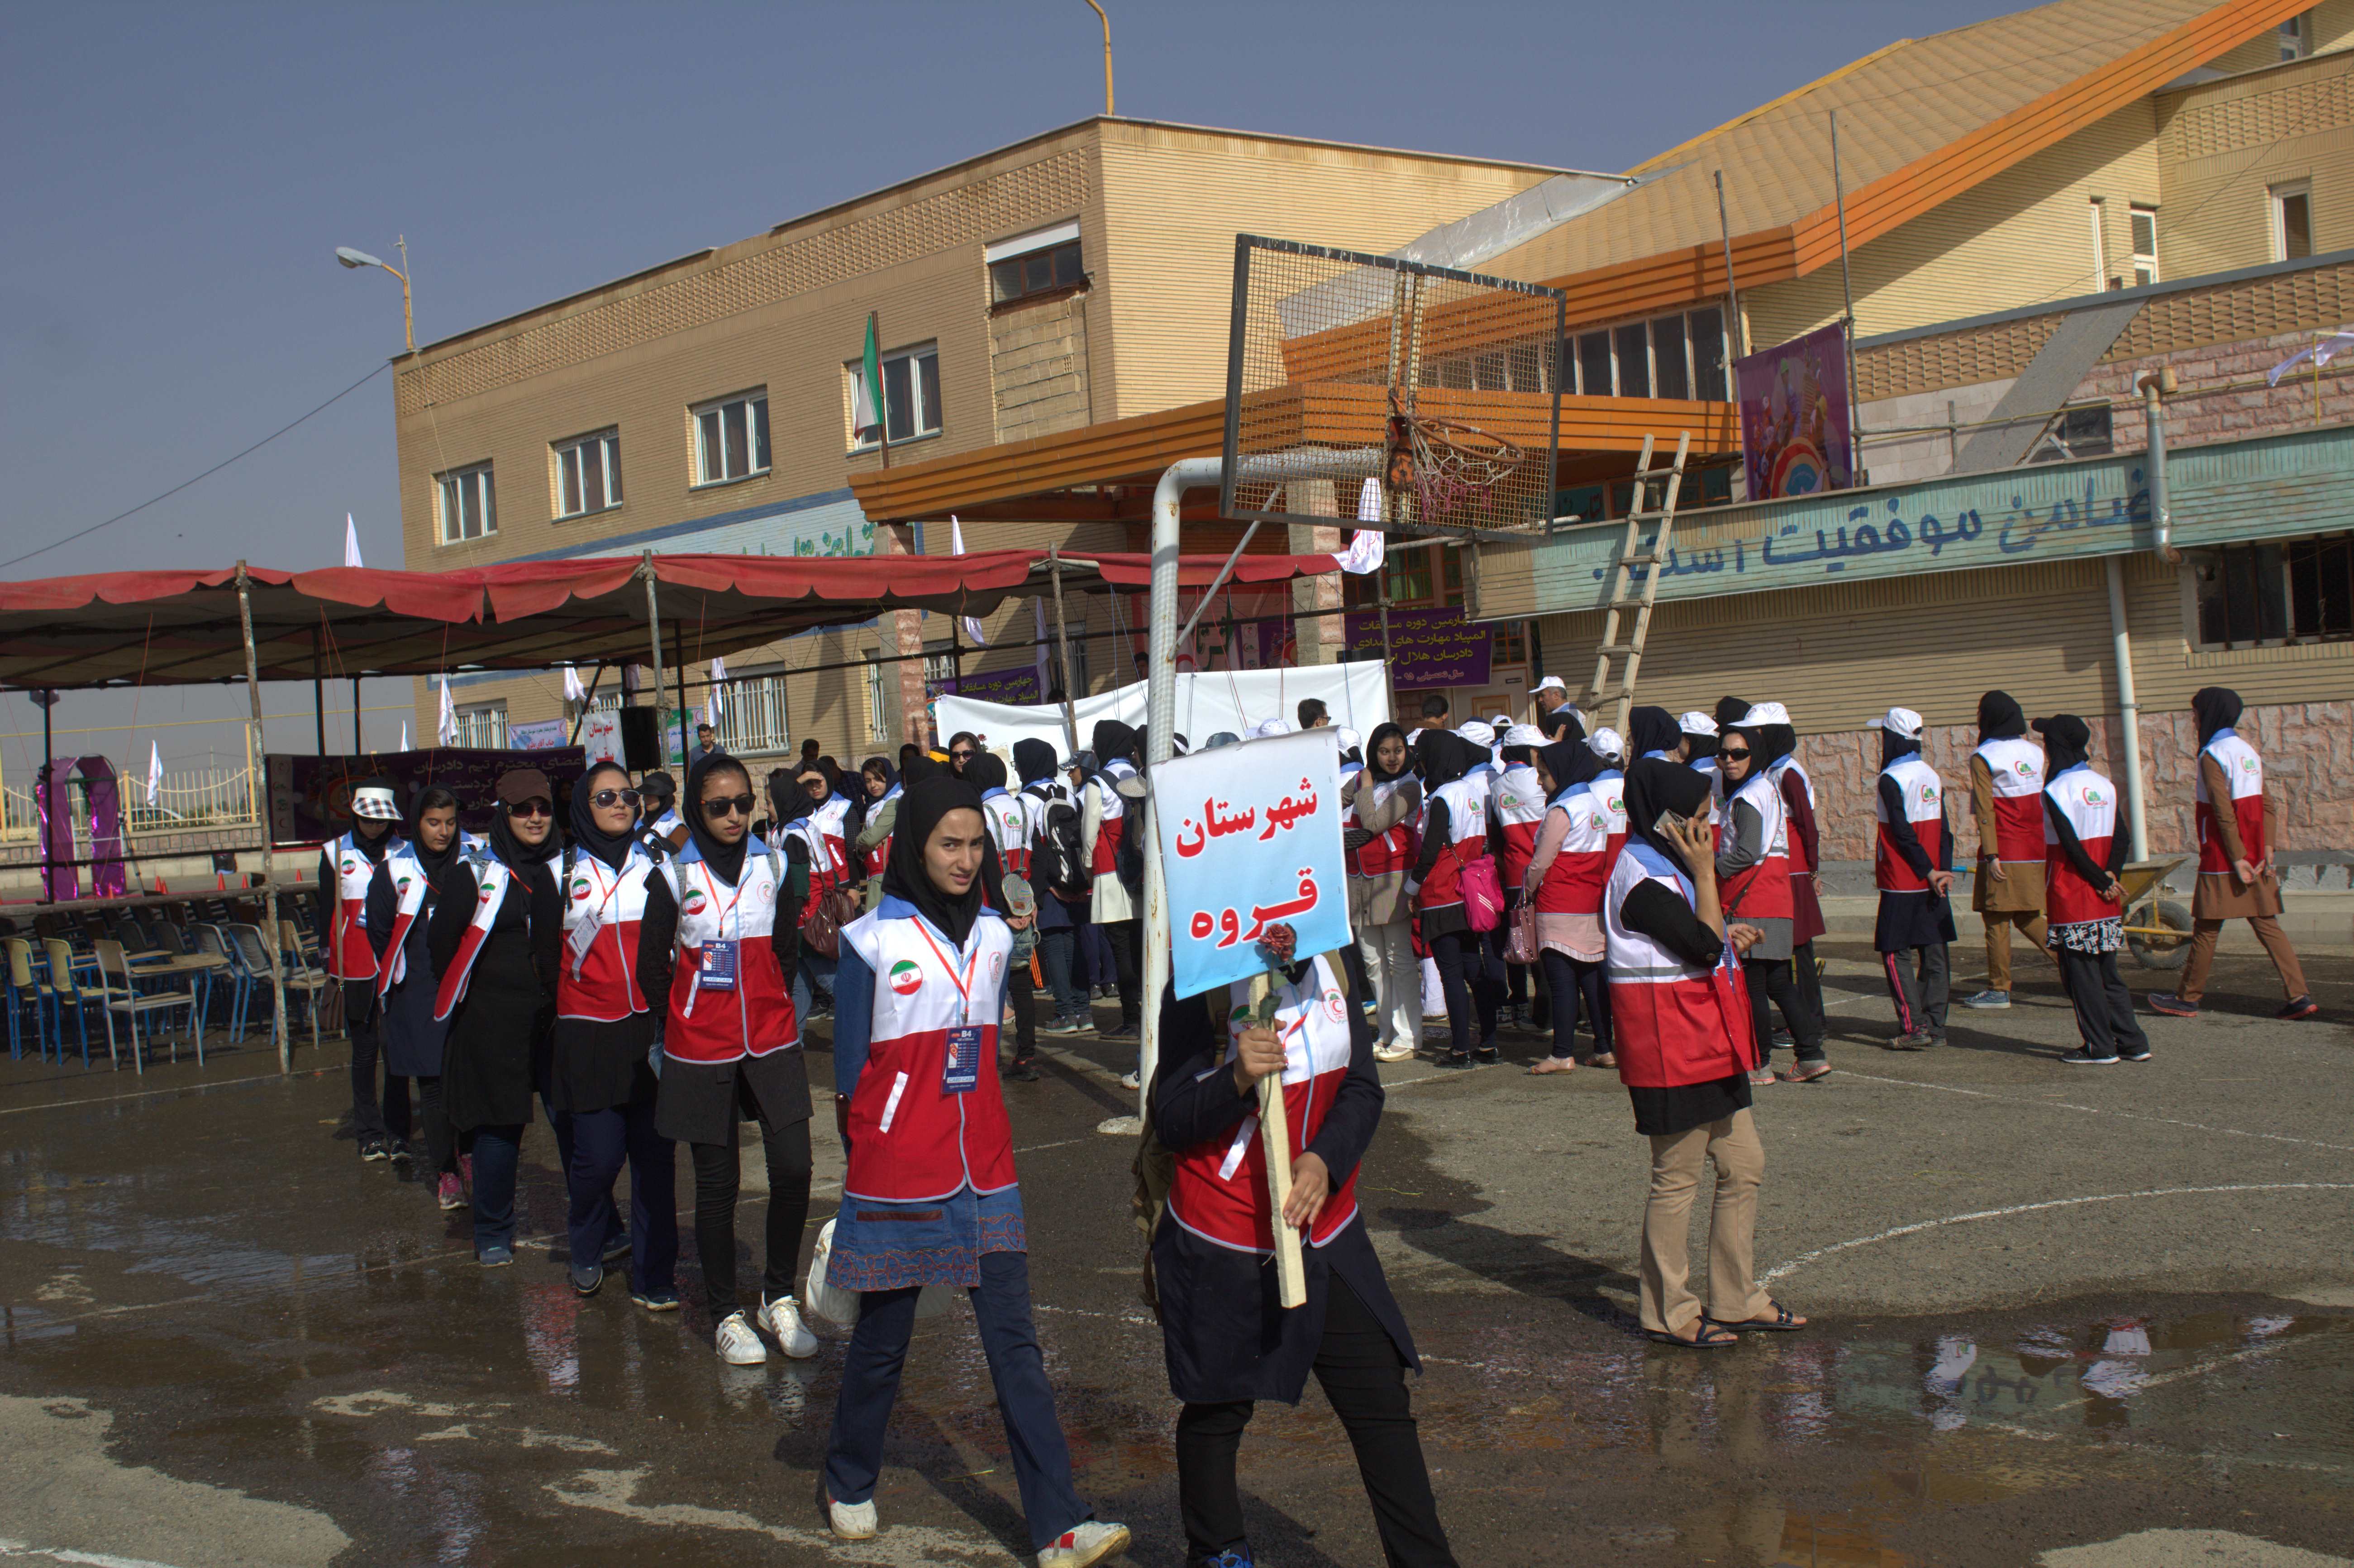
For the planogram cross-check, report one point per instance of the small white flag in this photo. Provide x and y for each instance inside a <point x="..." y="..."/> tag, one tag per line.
<point x="446" y="734"/>
<point x="1366" y="546"/>
<point x="713" y="704"/>
<point x="352" y="541"/>
<point x="574" y="691"/>
<point x="154" y="774"/>
<point x="956" y="548"/>
<point x="404" y="735"/>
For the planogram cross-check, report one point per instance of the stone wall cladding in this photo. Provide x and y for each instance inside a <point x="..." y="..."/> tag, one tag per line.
<point x="2308" y="751"/>
<point x="1038" y="368"/>
<point x="2251" y="409"/>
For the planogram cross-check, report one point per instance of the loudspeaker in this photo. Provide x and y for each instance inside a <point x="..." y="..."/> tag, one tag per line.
<point x="641" y="739"/>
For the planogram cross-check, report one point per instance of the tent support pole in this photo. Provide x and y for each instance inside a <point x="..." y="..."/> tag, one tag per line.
<point x="678" y="679"/>
<point x="653" y="640"/>
<point x="319" y="691"/>
<point x="46" y="802"/>
<point x="270" y="942"/>
<point x="1063" y="636"/>
<point x="587" y="702"/>
<point x="359" y="742"/>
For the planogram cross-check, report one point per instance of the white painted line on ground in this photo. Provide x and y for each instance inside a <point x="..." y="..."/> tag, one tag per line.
<point x="1782" y="1270"/>
<point x="2096" y="1110"/>
<point x="66" y="1555"/>
<point x="176" y="1089"/>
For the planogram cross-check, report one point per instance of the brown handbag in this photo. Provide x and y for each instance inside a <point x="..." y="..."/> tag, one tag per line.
<point x="827" y="914"/>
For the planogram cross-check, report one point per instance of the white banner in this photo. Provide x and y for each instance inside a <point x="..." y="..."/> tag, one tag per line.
<point x="1237" y="701"/>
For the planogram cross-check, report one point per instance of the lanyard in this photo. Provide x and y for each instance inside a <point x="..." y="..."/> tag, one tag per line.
<point x="964" y="985"/>
<point x="712" y="883"/>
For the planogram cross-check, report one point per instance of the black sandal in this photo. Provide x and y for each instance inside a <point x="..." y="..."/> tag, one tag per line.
<point x="1784" y="1321"/>
<point x="1706" y="1336"/>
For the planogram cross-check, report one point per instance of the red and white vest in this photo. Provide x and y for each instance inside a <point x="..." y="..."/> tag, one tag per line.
<point x="910" y="1141"/>
<point x="1790" y="764"/>
<point x="1672" y="1023"/>
<point x="1924" y="795"/>
<point x="878" y="858"/>
<point x="1467" y="829"/>
<point x="1519" y="803"/>
<point x="1111" y="818"/>
<point x="491" y="880"/>
<point x="408" y="890"/>
<point x="756" y="1017"/>
<point x="1386" y="852"/>
<point x="1009" y="829"/>
<point x="1220" y="1189"/>
<point x="598" y="976"/>
<point x="349" y="957"/>
<point x="2015" y="771"/>
<point x="2089" y="802"/>
<point x="2245" y="770"/>
<point x="1573" y="882"/>
<point x="1760" y="890"/>
<point x="828" y="852"/>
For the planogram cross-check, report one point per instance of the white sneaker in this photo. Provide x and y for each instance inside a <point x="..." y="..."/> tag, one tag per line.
<point x="1392" y="1052"/>
<point x="1090" y="1543"/>
<point x="738" y="1345"/>
<point x="783" y="1319"/>
<point x="852" y="1521"/>
<point x="1130" y="1081"/>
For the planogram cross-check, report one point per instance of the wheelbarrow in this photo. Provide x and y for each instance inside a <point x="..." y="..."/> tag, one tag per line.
<point x="2157" y="930"/>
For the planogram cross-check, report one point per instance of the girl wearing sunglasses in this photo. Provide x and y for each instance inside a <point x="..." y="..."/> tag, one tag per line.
<point x="716" y="959"/>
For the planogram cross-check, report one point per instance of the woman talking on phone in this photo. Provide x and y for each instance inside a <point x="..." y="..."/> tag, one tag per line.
<point x="1686" y="1046"/>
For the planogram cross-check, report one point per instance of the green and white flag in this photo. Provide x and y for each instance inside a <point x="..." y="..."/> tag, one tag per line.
<point x="867" y="388"/>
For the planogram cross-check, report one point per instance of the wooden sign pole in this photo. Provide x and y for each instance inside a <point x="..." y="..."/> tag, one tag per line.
<point x="1274" y="1129"/>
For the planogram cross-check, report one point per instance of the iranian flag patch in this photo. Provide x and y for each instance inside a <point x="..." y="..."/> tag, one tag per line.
<point x="907" y="978"/>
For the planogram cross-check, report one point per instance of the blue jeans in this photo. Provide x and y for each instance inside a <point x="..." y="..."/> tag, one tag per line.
<point x="601" y="1141"/>
<point x="1056" y="949"/>
<point x="817" y="970"/>
<point x="870" y="1383"/>
<point x="497" y="1152"/>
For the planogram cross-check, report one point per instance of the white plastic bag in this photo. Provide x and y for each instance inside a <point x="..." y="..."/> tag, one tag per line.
<point x="840" y="1307"/>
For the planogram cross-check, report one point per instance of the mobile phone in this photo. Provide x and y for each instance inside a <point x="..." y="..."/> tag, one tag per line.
<point x="1666" y="822"/>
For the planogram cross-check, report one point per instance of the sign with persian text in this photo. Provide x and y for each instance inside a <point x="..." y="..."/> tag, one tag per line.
<point x="1431" y="646"/>
<point x="1250" y="836"/>
<point x="311" y="796"/>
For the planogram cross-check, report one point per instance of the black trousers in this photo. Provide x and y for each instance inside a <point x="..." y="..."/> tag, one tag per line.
<point x="1810" y="984"/>
<point x="1568" y="983"/>
<point x="1021" y="991"/>
<point x="440" y="1144"/>
<point x="2104" y="1012"/>
<point x="1365" y="1381"/>
<point x="1772" y="979"/>
<point x="1470" y="972"/>
<point x="1919" y="989"/>
<point x="1126" y="939"/>
<point x="372" y="1116"/>
<point x="716" y="1177"/>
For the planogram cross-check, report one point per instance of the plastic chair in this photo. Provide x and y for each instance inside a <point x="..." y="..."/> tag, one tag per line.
<point x="301" y="975"/>
<point x="119" y="992"/>
<point x="251" y="956"/>
<point x="212" y="943"/>
<point x="26" y="986"/>
<point x="67" y="990"/>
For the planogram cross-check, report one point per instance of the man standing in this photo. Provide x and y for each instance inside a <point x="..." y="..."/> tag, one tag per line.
<point x="706" y="742"/>
<point x="2007" y="798"/>
<point x="1313" y="714"/>
<point x="1434" y="712"/>
<point x="2236" y="880"/>
<point x="1913" y="864"/>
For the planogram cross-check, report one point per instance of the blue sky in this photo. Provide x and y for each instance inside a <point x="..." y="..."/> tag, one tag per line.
<point x="177" y="177"/>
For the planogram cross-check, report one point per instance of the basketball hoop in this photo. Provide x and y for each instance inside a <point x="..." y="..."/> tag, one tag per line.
<point x="1449" y="465"/>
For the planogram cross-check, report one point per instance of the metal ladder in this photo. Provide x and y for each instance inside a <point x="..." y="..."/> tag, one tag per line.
<point x="1634" y="553"/>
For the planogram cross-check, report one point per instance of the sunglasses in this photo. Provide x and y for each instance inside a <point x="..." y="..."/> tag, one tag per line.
<point x="614" y="798"/>
<point x="729" y="806"/>
<point x="535" y="807"/>
<point x="1736" y="756"/>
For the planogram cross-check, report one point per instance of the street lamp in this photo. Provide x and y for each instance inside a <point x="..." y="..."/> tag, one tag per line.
<point x="351" y="257"/>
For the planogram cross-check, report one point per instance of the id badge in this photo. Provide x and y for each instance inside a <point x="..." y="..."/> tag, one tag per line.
<point x="717" y="970"/>
<point x="960" y="1074"/>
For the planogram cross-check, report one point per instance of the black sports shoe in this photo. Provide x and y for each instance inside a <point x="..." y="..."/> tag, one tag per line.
<point x="587" y="1282"/>
<point x="2132" y="1052"/>
<point x="1021" y="1072"/>
<point x="375" y="1146"/>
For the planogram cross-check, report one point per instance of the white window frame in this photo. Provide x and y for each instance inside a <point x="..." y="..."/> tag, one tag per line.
<point x="2145" y="262"/>
<point x="755" y="400"/>
<point x="575" y="450"/>
<point x="918" y="352"/>
<point x="753" y="715"/>
<point x="2276" y="196"/>
<point x="448" y="486"/>
<point x="1575" y="382"/>
<point x="879" y="712"/>
<point x="2100" y="246"/>
<point x="481" y="727"/>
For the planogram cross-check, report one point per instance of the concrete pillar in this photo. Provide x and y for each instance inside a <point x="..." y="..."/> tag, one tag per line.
<point x="906" y="637"/>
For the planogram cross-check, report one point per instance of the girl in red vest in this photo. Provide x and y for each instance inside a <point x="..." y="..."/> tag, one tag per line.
<point x="928" y="1195"/>
<point x="409" y="884"/>
<point x="1753" y="862"/>
<point x="1385" y="800"/>
<point x="719" y="951"/>
<point x="1228" y="1341"/>
<point x="1585" y="824"/>
<point x="2083" y="904"/>
<point x="1913" y="864"/>
<point x="1455" y="836"/>
<point x="1686" y="1049"/>
<point x="380" y="1127"/>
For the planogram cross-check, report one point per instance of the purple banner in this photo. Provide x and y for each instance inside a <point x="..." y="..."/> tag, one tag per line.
<point x="1020" y="686"/>
<point x="311" y="796"/>
<point x="1430" y="647"/>
<point x="1795" y="438"/>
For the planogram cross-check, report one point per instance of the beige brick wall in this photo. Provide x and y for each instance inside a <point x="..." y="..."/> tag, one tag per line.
<point x="2224" y="147"/>
<point x="1038" y="367"/>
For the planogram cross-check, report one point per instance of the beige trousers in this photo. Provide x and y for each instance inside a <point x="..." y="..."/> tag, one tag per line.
<point x="2202" y="957"/>
<point x="1999" y="923"/>
<point x="1734" y="1294"/>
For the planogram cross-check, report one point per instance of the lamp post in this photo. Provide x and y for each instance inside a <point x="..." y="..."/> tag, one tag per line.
<point x="351" y="257"/>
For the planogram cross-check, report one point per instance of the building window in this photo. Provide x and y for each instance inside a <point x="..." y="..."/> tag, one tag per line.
<point x="469" y="504"/>
<point x="2101" y="279"/>
<point x="1034" y="263"/>
<point x="2292" y="206"/>
<point x="731" y="438"/>
<point x="911" y="395"/>
<point x="2074" y="433"/>
<point x="1512" y="642"/>
<point x="878" y="713"/>
<point x="1680" y="355"/>
<point x="2144" y="222"/>
<point x="589" y="474"/>
<point x="483" y="727"/>
<point x="2301" y="590"/>
<point x="2296" y="37"/>
<point x="752" y="715"/>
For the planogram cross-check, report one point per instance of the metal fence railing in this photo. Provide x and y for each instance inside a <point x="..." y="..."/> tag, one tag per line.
<point x="192" y="799"/>
<point x="752" y="716"/>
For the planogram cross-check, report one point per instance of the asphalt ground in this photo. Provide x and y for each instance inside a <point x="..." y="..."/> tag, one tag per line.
<point x="2089" y="1318"/>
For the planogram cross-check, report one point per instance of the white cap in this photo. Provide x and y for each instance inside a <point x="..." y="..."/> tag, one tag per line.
<point x="1524" y="734"/>
<point x="1764" y="712"/>
<point x="1552" y="684"/>
<point x="1902" y="722"/>
<point x="1350" y="739"/>
<point x="1696" y="723"/>
<point x="374" y="802"/>
<point x="1272" y="726"/>
<point x="1605" y="743"/>
<point x="1478" y="733"/>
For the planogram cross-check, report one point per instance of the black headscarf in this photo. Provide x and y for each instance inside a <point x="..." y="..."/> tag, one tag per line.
<point x="2000" y="718"/>
<point x="1654" y="784"/>
<point x="1772" y="742"/>
<point x="1894" y="745"/>
<point x="986" y="772"/>
<point x="1112" y="739"/>
<point x="788" y="802"/>
<point x="587" y="836"/>
<point x="921" y="807"/>
<point x="1374" y="769"/>
<point x="1729" y="710"/>
<point x="1702" y="746"/>
<point x="725" y="860"/>
<point x="1650" y="730"/>
<point x="434" y="865"/>
<point x="1569" y="762"/>
<point x="2216" y="708"/>
<point x="2067" y="740"/>
<point x="519" y="857"/>
<point x="878" y="765"/>
<point x="1564" y="724"/>
<point x="1033" y="760"/>
<point x="1446" y="757"/>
